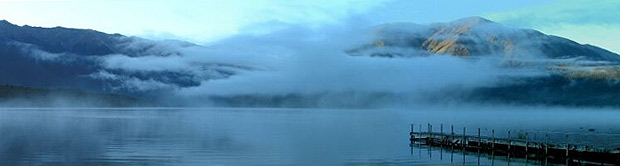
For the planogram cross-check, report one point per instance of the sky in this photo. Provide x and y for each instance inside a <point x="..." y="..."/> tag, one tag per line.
<point x="206" y="21"/>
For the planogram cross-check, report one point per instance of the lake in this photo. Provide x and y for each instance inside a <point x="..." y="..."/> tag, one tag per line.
<point x="266" y="136"/>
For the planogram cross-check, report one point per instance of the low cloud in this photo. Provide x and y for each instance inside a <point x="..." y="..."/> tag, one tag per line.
<point x="40" y="55"/>
<point x="592" y="22"/>
<point x="310" y="61"/>
<point x="146" y="63"/>
<point x="129" y="84"/>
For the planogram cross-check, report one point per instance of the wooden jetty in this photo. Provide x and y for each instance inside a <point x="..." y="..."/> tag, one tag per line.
<point x="545" y="151"/>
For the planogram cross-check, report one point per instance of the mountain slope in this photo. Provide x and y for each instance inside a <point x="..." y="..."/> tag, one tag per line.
<point x="576" y="74"/>
<point x="80" y="41"/>
<point x="476" y="36"/>
<point x="81" y="59"/>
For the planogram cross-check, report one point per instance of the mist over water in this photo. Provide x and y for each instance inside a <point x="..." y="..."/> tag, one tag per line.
<point x="237" y="136"/>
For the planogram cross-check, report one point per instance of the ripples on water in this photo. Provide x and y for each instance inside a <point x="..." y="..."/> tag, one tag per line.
<point x="258" y="136"/>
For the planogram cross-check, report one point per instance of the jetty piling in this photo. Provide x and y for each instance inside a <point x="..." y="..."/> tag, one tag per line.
<point x="464" y="140"/>
<point x="544" y="150"/>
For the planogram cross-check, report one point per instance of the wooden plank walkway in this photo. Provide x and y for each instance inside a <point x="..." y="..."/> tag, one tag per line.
<point x="547" y="151"/>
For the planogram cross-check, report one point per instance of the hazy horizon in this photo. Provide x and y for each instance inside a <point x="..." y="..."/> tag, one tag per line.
<point x="205" y="22"/>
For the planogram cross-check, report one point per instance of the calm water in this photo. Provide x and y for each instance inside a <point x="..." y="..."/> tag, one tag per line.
<point x="240" y="136"/>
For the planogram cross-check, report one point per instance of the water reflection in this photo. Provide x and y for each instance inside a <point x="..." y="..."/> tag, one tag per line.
<point x="234" y="137"/>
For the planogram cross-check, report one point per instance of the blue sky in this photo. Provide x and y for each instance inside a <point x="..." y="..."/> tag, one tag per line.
<point x="202" y="21"/>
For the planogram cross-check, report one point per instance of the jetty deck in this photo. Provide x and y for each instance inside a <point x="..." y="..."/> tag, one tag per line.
<point x="546" y="151"/>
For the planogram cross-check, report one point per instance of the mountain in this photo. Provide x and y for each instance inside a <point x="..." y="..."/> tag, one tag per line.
<point x="65" y="58"/>
<point x="42" y="64"/>
<point x="577" y="74"/>
<point x="80" y="41"/>
<point x="476" y="36"/>
<point x="554" y="90"/>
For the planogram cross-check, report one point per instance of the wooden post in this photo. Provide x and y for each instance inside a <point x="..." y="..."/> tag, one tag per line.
<point x="430" y="140"/>
<point x="509" y="142"/>
<point x="411" y="139"/>
<point x="441" y="132"/>
<point x="527" y="144"/>
<point x="441" y="128"/>
<point x="452" y="135"/>
<point x="479" y="139"/>
<point x="420" y="131"/>
<point x="451" y="143"/>
<point x="412" y="135"/>
<point x="430" y="131"/>
<point x="567" y="147"/>
<point x="463" y="141"/>
<point x="537" y="143"/>
<point x="546" y="145"/>
<point x="479" y="145"/>
<point x="493" y="147"/>
<point x="441" y="141"/>
<point x="546" y="149"/>
<point x="493" y="140"/>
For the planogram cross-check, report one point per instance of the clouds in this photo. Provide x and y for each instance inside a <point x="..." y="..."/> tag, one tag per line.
<point x="146" y="63"/>
<point x="193" y="20"/>
<point x="355" y="74"/>
<point x="129" y="84"/>
<point x="298" y="60"/>
<point x="600" y="12"/>
<point x="39" y="55"/>
<point x="203" y="21"/>
<point x="593" y="22"/>
<point x="310" y="62"/>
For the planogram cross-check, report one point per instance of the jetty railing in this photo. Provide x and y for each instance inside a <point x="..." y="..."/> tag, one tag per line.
<point x="545" y="150"/>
